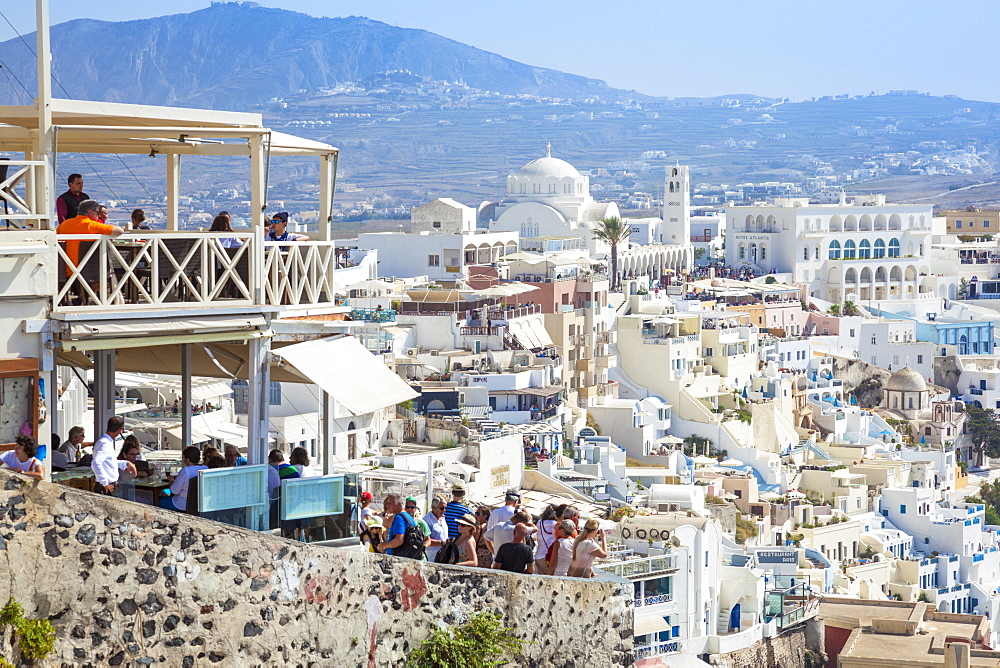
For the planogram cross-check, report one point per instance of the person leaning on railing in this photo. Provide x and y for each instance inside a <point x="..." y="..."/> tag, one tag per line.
<point x="87" y="221"/>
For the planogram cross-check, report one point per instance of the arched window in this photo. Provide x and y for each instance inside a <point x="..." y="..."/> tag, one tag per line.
<point x="879" y="249"/>
<point x="927" y="431"/>
<point x="834" y="250"/>
<point x="671" y="186"/>
<point x="763" y="252"/>
<point x="849" y="250"/>
<point x="893" y="247"/>
<point x="864" y="250"/>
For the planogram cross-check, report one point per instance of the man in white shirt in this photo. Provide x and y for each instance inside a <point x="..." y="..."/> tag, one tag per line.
<point x="105" y="464"/>
<point x="506" y="511"/>
<point x="504" y="532"/>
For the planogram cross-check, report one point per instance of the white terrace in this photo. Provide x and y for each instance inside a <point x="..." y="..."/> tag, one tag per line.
<point x="171" y="270"/>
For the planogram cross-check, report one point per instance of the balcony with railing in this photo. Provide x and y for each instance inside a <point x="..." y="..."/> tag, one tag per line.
<point x="656" y="649"/>
<point x="373" y="315"/>
<point x="637" y="569"/>
<point x="158" y="270"/>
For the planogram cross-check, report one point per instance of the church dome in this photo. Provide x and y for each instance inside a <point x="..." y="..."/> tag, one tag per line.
<point x="906" y="380"/>
<point x="548" y="167"/>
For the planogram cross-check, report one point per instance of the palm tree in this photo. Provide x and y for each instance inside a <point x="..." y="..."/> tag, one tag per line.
<point x="613" y="231"/>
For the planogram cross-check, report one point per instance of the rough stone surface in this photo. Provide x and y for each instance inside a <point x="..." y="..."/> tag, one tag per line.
<point x="274" y="602"/>
<point x="784" y="651"/>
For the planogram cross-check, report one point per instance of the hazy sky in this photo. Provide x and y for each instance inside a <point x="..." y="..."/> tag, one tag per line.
<point x="794" y="48"/>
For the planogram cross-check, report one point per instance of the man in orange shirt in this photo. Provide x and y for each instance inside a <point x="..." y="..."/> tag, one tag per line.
<point x="87" y="222"/>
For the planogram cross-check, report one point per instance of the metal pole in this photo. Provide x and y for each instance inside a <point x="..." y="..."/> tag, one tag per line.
<point x="324" y="430"/>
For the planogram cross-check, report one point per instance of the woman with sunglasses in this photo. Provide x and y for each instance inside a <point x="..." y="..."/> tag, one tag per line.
<point x="484" y="550"/>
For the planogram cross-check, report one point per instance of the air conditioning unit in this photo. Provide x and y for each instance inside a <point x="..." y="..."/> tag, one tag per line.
<point x="412" y="352"/>
<point x="435" y="353"/>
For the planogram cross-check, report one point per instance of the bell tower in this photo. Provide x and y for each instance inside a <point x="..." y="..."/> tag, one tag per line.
<point x="676" y="226"/>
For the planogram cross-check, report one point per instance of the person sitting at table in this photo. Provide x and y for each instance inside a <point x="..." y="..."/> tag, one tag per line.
<point x="300" y="460"/>
<point x="132" y="452"/>
<point x="278" y="232"/>
<point x="222" y="223"/>
<point x="87" y="221"/>
<point x="139" y="220"/>
<point x="22" y="458"/>
<point x="73" y="446"/>
<point x="215" y="461"/>
<point x="177" y="496"/>
<point x="233" y="456"/>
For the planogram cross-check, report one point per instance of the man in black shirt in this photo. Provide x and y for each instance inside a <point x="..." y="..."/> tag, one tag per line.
<point x="69" y="201"/>
<point x="516" y="556"/>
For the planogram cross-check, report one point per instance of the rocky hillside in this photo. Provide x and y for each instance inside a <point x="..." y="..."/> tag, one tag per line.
<point x="233" y="55"/>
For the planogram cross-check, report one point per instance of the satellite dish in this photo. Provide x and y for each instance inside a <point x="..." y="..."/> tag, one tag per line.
<point x="673" y="541"/>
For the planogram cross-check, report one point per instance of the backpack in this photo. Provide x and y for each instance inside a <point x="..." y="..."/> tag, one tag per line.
<point x="448" y="553"/>
<point x="413" y="541"/>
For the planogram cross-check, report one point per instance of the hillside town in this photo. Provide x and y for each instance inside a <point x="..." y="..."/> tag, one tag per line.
<point x="626" y="431"/>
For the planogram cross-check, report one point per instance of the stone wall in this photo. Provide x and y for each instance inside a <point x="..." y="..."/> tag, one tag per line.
<point x="126" y="584"/>
<point x="785" y="651"/>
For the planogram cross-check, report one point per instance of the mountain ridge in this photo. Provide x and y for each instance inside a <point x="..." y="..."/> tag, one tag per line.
<point x="203" y="58"/>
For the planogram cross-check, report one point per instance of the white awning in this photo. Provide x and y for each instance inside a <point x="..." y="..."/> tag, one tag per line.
<point x="210" y="391"/>
<point x="540" y="333"/>
<point x="227" y="432"/>
<point x="349" y="372"/>
<point x="177" y="435"/>
<point x="650" y="624"/>
<point x="165" y="326"/>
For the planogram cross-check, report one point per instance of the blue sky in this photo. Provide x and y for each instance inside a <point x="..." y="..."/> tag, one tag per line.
<point x="793" y="48"/>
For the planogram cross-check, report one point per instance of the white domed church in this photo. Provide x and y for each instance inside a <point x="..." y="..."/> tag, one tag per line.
<point x="548" y="200"/>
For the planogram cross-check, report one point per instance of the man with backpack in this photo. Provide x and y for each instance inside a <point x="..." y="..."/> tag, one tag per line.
<point x="405" y="538"/>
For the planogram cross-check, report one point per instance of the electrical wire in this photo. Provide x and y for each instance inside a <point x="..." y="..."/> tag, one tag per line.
<point x="82" y="157"/>
<point x="10" y="73"/>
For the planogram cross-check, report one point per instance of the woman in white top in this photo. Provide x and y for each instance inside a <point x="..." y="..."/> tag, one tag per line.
<point x="299" y="458"/>
<point x="544" y="538"/>
<point x="179" y="487"/>
<point x="562" y="556"/>
<point x="222" y="223"/>
<point x="22" y="458"/>
<point x="586" y="550"/>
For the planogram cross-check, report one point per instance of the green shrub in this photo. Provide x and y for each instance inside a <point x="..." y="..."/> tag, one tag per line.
<point x="481" y="642"/>
<point x="37" y="638"/>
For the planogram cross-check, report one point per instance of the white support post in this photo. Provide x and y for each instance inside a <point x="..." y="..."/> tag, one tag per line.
<point x="186" y="394"/>
<point x="173" y="190"/>
<point x="43" y="200"/>
<point x="258" y="202"/>
<point x="327" y="180"/>
<point x="259" y="373"/>
<point x="104" y="389"/>
<point x="325" y="435"/>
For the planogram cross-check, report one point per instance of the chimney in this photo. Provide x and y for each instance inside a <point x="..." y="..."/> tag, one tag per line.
<point x="956" y="655"/>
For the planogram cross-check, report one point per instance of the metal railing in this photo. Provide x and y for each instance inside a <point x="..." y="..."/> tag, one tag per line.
<point x="640" y="568"/>
<point x="656" y="649"/>
<point x="373" y="315"/>
<point x="652" y="600"/>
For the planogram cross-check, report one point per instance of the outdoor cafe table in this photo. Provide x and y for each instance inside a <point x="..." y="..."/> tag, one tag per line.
<point x="152" y="486"/>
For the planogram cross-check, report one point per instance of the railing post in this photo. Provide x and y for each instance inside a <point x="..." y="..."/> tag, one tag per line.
<point x="257" y="204"/>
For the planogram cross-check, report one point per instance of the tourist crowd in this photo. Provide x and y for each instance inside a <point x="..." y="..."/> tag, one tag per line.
<point x="506" y="538"/>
